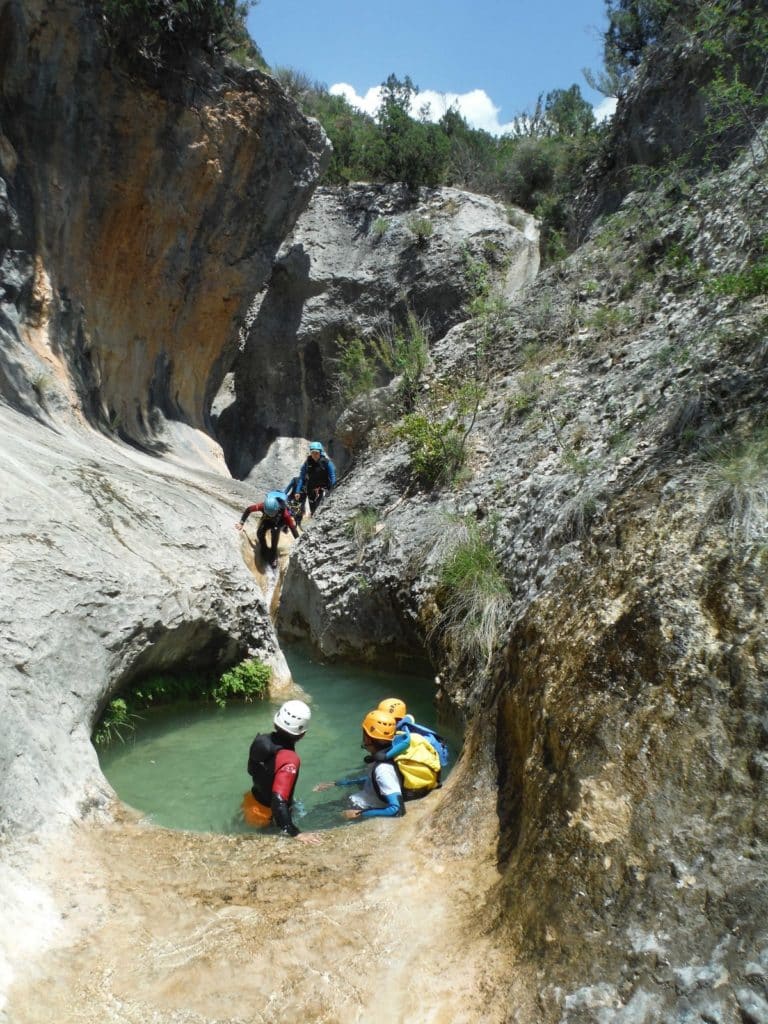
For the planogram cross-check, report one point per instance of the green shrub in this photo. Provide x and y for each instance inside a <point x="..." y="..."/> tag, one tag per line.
<point x="357" y="368"/>
<point x="398" y="351"/>
<point x="247" y="681"/>
<point x="421" y="227"/>
<point x="380" y="227"/>
<point x="745" y="284"/>
<point x="114" y="722"/>
<point x="436" y="449"/>
<point x="363" y="525"/>
<point x="472" y="594"/>
<point x="737" y="480"/>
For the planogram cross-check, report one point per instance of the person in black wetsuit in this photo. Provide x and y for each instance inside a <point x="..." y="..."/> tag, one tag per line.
<point x="275" y="517"/>
<point x="317" y="476"/>
<point x="273" y="765"/>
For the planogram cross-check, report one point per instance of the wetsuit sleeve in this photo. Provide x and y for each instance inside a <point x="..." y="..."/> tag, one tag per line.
<point x="290" y="522"/>
<point x="302" y="480"/>
<point x="286" y="773"/>
<point x="252" y="508"/>
<point x="350" y="782"/>
<point x="331" y="474"/>
<point x="395" y="808"/>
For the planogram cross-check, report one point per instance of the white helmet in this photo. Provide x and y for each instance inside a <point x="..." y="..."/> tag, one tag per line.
<point x="293" y="717"/>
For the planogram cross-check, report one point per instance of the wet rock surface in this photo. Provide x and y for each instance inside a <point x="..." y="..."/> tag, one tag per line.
<point x="599" y="854"/>
<point x="355" y="265"/>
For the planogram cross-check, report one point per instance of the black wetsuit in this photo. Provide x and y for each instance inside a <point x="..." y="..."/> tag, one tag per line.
<point x="273" y="764"/>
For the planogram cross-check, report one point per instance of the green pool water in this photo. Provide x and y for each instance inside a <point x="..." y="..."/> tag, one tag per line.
<point x="185" y="767"/>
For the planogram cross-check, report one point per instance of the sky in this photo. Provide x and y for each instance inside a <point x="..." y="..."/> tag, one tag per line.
<point x="490" y="58"/>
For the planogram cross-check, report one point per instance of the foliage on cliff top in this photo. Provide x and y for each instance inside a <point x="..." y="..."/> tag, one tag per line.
<point x="158" y="34"/>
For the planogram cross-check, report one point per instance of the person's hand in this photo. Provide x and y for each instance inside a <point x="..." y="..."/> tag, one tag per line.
<point x="321" y="786"/>
<point x="310" y="838"/>
<point x="238" y="526"/>
<point x="353" y="812"/>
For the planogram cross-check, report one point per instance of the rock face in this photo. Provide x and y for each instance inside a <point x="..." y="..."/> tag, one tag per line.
<point x="614" y="689"/>
<point x="112" y="566"/>
<point x="357" y="261"/>
<point x="618" y="474"/>
<point x="137" y="223"/>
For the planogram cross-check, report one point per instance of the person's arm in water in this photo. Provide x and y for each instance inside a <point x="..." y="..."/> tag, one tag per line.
<point x="286" y="774"/>
<point x="388" y="789"/>
<point x="394" y="809"/>
<point x="251" y="508"/>
<point x="321" y="786"/>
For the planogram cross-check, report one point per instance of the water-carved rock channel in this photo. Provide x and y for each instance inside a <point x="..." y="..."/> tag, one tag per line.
<point x="174" y="292"/>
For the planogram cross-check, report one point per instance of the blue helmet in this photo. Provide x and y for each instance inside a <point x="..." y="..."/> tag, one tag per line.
<point x="316" y="446"/>
<point x="271" y="505"/>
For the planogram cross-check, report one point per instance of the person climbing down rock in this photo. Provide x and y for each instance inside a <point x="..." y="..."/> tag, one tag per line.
<point x="273" y="765"/>
<point x="408" y="726"/>
<point x="274" y="517"/>
<point x="381" y="795"/>
<point x="316" y="477"/>
<point x="295" y="500"/>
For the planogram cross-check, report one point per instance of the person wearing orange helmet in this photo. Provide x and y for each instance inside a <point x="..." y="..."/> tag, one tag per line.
<point x="380" y="795"/>
<point x="406" y="724"/>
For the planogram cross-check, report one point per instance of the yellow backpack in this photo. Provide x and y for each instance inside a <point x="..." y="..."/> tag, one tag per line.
<point x="418" y="766"/>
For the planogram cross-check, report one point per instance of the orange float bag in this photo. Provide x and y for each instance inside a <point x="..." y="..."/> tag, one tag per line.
<point x="256" y="815"/>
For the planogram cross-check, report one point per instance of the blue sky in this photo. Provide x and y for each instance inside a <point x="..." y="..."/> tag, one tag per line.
<point x="492" y="58"/>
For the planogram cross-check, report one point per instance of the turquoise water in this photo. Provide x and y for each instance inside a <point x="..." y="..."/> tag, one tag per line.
<point x="185" y="768"/>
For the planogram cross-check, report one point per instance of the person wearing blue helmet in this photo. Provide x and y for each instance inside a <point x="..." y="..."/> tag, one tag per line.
<point x="275" y="516"/>
<point x="316" y="477"/>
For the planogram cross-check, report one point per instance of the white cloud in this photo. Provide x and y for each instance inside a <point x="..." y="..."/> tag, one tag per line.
<point x="369" y="103"/>
<point x="605" y="109"/>
<point x="476" y="107"/>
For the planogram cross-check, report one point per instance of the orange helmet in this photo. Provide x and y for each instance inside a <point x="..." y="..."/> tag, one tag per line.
<point x="393" y="706"/>
<point x="379" y="725"/>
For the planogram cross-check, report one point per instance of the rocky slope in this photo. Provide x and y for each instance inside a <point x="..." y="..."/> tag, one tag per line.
<point x="619" y="474"/>
<point x="116" y="200"/>
<point x="359" y="260"/>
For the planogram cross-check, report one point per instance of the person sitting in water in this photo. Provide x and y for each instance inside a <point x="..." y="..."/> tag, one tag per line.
<point x="406" y="725"/>
<point x="274" y="517"/>
<point x="273" y="765"/>
<point x="381" y="795"/>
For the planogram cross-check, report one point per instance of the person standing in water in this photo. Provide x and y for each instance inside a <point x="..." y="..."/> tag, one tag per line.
<point x="273" y="765"/>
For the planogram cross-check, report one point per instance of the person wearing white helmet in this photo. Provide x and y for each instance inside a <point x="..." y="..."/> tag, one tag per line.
<point x="273" y="765"/>
<point x="275" y="516"/>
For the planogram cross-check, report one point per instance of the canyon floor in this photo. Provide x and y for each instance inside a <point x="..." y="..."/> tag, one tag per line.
<point x="124" y="922"/>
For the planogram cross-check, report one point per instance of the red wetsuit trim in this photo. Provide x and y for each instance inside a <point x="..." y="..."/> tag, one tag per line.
<point x="286" y="774"/>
